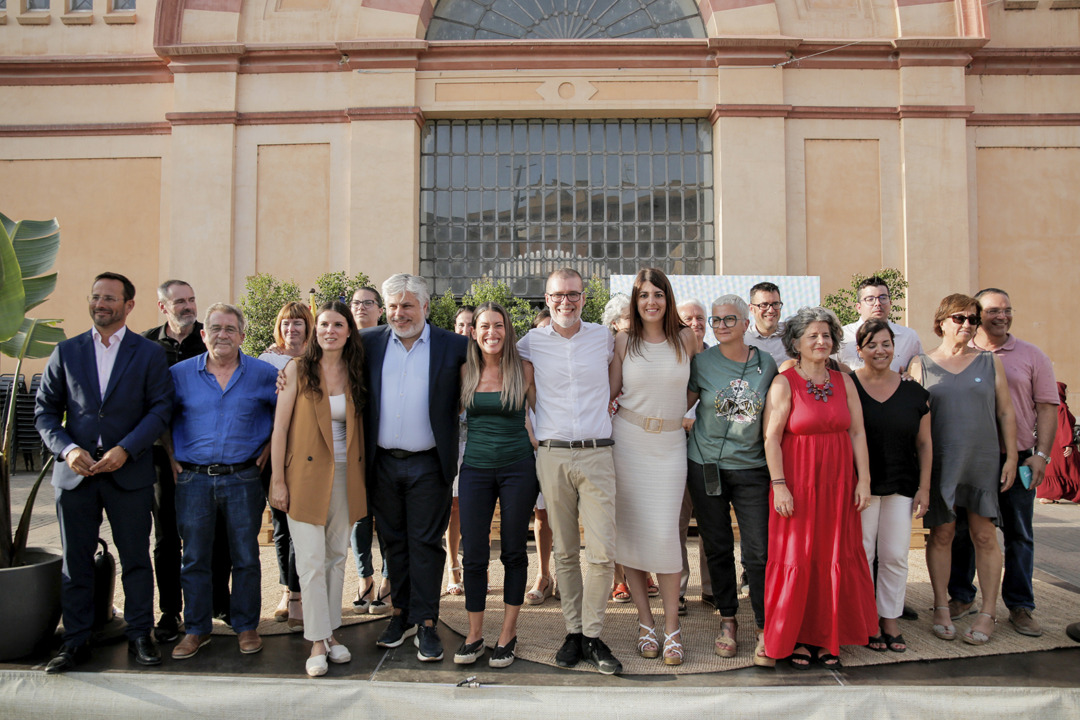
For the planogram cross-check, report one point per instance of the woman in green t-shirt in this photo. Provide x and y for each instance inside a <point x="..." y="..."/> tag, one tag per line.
<point x="726" y="465"/>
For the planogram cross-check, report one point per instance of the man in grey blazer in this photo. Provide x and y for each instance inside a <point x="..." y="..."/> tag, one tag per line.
<point x="105" y="396"/>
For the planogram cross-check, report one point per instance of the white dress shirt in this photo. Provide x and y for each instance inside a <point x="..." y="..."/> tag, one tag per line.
<point x="404" y="413"/>
<point x="571" y="375"/>
<point x="105" y="357"/>
<point x="906" y="345"/>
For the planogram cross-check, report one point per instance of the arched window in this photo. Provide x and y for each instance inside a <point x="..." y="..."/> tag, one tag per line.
<point x="564" y="19"/>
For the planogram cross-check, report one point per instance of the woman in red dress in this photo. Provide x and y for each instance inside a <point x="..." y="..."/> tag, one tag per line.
<point x="1062" y="481"/>
<point x="818" y="592"/>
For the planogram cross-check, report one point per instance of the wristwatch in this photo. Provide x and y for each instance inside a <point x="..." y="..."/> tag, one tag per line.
<point x="1044" y="456"/>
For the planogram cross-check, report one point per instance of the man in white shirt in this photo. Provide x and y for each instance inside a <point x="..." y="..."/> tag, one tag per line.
<point x="766" y="332"/>
<point x="574" y="462"/>
<point x="872" y="300"/>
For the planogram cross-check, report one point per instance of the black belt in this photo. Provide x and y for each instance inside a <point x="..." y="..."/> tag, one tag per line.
<point x="405" y="454"/>
<point x="577" y="444"/>
<point x="217" y="469"/>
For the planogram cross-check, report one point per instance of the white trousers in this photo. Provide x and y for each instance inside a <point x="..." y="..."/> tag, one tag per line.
<point x="886" y="527"/>
<point x="320" y="562"/>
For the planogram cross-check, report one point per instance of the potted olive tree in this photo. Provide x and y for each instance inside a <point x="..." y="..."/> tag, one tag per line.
<point x="29" y="577"/>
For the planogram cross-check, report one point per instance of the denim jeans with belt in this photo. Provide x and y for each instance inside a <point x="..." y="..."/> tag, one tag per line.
<point x="239" y="498"/>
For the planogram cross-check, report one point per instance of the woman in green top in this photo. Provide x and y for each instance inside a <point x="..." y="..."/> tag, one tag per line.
<point x="726" y="465"/>
<point x="496" y="387"/>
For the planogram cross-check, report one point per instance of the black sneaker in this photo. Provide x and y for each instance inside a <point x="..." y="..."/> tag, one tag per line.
<point x="396" y="632"/>
<point x="428" y="645"/>
<point x="599" y="654"/>
<point x="682" y="606"/>
<point x="503" y="655"/>
<point x="167" y="629"/>
<point x="469" y="652"/>
<point x="569" y="654"/>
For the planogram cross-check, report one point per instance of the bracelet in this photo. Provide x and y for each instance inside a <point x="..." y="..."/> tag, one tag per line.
<point x="1044" y="456"/>
<point x="779" y="481"/>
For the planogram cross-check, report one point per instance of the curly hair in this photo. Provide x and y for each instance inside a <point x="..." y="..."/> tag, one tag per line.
<point x="796" y="326"/>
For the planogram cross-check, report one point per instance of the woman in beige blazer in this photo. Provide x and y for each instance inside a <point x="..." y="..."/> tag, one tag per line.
<point x="318" y="471"/>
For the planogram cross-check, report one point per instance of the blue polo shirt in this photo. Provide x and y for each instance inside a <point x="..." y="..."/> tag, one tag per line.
<point x="229" y="426"/>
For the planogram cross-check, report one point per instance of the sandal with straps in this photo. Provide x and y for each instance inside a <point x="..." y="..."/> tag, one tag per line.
<point x="648" y="646"/>
<point x="537" y="596"/>
<point x="673" y="652"/>
<point x="944" y="631"/>
<point x="978" y="637"/>
<point x="455" y="588"/>
<point x="725" y="644"/>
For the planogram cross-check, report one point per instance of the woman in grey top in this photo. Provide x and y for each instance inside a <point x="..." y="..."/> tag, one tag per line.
<point x="970" y="407"/>
<point x="727" y="468"/>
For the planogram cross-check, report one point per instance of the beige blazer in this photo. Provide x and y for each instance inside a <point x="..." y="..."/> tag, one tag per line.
<point x="309" y="459"/>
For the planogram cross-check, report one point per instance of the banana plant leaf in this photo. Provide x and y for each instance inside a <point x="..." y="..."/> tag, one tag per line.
<point x="12" y="294"/>
<point x="43" y="338"/>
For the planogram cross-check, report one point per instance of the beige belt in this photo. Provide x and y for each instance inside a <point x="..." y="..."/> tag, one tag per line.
<point x="650" y="424"/>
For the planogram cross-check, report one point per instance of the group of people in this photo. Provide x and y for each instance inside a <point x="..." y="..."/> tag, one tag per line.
<point x="824" y="441"/>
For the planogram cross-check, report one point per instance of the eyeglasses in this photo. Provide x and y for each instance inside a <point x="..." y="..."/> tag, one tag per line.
<point x="876" y="299"/>
<point x="559" y="297"/>
<point x="765" y="306"/>
<point x="365" y="303"/>
<point x="972" y="320"/>
<point x="727" y="320"/>
<point x="994" y="312"/>
<point x="103" y="298"/>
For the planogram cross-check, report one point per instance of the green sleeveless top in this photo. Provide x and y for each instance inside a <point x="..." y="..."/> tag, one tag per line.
<point x="497" y="436"/>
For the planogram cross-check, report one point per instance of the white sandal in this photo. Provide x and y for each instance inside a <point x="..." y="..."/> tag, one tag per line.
<point x="537" y="596"/>
<point x="455" y="588"/>
<point x="978" y="637"/>
<point x="648" y="646"/>
<point x="945" y="632"/>
<point x="673" y="652"/>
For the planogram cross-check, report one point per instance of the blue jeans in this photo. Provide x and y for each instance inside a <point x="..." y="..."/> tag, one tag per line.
<point x="239" y="498"/>
<point x="515" y="488"/>
<point x="1017" y="513"/>
<point x="361" y="547"/>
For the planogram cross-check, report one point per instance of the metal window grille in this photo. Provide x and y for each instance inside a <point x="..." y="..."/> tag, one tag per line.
<point x="37" y="4"/>
<point x="123" y="5"/>
<point x="82" y="5"/>
<point x="583" y="19"/>
<point x="514" y="199"/>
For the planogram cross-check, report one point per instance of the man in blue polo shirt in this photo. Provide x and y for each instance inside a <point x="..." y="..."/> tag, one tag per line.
<point x="223" y="417"/>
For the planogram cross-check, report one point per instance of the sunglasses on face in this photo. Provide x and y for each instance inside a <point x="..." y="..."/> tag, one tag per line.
<point x="972" y="320"/>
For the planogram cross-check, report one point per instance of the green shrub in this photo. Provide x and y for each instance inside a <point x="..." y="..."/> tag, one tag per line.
<point x="441" y="311"/>
<point x="337" y="285"/>
<point x="596" y="297"/>
<point x="487" y="290"/>
<point x="842" y="302"/>
<point x="263" y="297"/>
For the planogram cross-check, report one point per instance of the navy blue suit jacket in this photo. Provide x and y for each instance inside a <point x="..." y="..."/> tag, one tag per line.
<point x="444" y="392"/>
<point x="133" y="413"/>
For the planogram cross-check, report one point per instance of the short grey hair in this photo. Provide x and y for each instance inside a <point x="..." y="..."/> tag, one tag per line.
<point x="796" y="326"/>
<point x="614" y="308"/>
<point x="741" y="308"/>
<point x="226" y="308"/>
<point x="406" y="283"/>
<point x="163" y="288"/>
<point x="693" y="301"/>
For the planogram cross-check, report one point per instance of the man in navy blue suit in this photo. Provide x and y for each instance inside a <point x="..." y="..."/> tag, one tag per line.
<point x="115" y="389"/>
<point x="413" y="374"/>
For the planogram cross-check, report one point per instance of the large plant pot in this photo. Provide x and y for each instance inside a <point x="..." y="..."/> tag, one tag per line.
<point x="29" y="602"/>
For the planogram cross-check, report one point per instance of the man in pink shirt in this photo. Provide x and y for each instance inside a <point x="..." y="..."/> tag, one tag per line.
<point x="1035" y="398"/>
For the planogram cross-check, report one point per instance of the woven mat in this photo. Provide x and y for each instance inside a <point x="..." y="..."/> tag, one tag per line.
<point x="541" y="628"/>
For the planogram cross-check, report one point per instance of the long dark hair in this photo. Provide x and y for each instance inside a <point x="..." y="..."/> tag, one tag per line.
<point x="352" y="354"/>
<point x="673" y="324"/>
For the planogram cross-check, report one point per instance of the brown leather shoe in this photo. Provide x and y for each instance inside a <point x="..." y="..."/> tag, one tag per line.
<point x="250" y="642"/>
<point x="189" y="645"/>
<point x="1023" y="623"/>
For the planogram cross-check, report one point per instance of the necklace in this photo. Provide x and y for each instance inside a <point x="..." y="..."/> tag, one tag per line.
<point x="819" y="392"/>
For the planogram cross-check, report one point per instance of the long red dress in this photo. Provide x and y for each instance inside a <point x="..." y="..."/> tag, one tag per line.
<point x="1062" y="480"/>
<point x="817" y="582"/>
